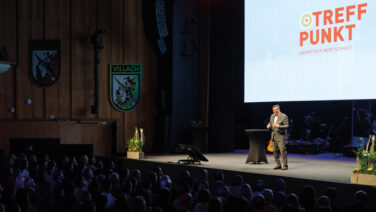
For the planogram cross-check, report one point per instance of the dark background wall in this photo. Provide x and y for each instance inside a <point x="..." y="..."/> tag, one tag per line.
<point x="185" y="71"/>
<point x="226" y="73"/>
<point x="191" y="28"/>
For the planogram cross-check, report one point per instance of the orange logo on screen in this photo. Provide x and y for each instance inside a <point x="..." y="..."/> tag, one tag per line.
<point x="340" y="17"/>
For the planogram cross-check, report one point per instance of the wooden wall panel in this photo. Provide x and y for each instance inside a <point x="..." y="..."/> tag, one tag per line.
<point x="73" y="22"/>
<point x="78" y="38"/>
<point x="101" y="134"/>
<point x="24" y="87"/>
<point x="52" y="33"/>
<point x="65" y="74"/>
<point x="88" y="30"/>
<point x="37" y="21"/>
<point x="11" y="42"/>
<point x="8" y="39"/>
<point x="2" y="43"/>
<point x="143" y="58"/>
<point x="117" y="54"/>
<point x="131" y="55"/>
<point x="69" y="132"/>
<point x="104" y="22"/>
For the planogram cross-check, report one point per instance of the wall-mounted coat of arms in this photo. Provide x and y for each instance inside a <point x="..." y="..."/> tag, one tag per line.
<point x="125" y="86"/>
<point x="44" y="61"/>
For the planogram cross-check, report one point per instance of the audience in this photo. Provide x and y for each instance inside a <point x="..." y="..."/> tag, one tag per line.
<point x="38" y="183"/>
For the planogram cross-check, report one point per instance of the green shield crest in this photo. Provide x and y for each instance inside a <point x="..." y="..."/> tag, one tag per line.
<point x="125" y="86"/>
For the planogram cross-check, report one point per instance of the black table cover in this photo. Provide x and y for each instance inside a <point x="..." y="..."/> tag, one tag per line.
<point x="257" y="141"/>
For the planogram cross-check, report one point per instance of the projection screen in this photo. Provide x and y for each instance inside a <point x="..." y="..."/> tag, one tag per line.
<point x="309" y="50"/>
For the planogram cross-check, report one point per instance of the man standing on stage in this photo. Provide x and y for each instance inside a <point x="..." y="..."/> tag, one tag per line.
<point x="279" y="123"/>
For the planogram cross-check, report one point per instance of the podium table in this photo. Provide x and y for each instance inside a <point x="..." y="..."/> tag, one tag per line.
<point x="257" y="140"/>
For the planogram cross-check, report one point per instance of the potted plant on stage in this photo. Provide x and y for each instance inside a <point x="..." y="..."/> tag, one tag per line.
<point x="135" y="144"/>
<point x="365" y="172"/>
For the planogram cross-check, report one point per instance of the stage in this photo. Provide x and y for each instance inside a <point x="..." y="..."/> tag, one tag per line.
<point x="323" y="167"/>
<point x="319" y="170"/>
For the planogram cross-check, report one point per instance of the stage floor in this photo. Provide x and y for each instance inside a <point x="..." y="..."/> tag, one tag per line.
<point x="323" y="167"/>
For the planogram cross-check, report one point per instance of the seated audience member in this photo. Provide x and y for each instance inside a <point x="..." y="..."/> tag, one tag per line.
<point x="234" y="203"/>
<point x="293" y="200"/>
<point x="202" y="177"/>
<point x="331" y="192"/>
<point x="246" y="192"/>
<point x="236" y="185"/>
<point x="202" y="201"/>
<point x="23" y="200"/>
<point x="259" y="188"/>
<point x="219" y="181"/>
<point x="122" y="204"/>
<point x="215" y="205"/>
<point x="186" y="202"/>
<point x="258" y="203"/>
<point x="268" y="206"/>
<point x="164" y="200"/>
<point x="307" y="198"/>
<point x="20" y="179"/>
<point x="139" y="204"/>
<point x="322" y="201"/>
<point x="358" y="203"/>
<point x="223" y="192"/>
<point x="166" y="182"/>
<point x="106" y="191"/>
